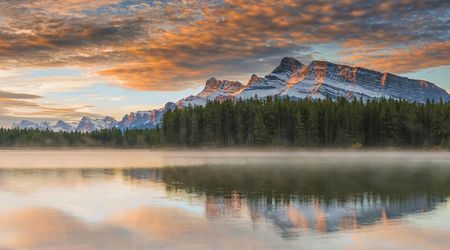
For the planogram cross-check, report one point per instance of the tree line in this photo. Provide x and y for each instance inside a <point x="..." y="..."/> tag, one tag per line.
<point x="272" y="122"/>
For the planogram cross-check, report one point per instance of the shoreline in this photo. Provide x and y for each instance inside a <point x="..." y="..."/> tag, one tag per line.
<point x="232" y="149"/>
<point x="139" y="158"/>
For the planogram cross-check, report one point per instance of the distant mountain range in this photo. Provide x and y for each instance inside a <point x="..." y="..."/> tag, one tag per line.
<point x="318" y="80"/>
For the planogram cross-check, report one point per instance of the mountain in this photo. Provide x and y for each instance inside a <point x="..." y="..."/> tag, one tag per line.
<point x="87" y="124"/>
<point x="273" y="84"/>
<point x="24" y="124"/>
<point x="145" y="119"/>
<point x="321" y="79"/>
<point x="318" y="80"/>
<point x="62" y="126"/>
<point x="214" y="90"/>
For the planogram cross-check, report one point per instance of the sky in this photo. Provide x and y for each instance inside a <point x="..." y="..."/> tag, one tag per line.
<point x="74" y="58"/>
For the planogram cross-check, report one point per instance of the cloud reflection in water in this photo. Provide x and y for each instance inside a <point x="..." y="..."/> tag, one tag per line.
<point x="214" y="206"/>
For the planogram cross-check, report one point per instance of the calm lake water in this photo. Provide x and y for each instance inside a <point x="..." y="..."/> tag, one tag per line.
<point x="223" y="200"/>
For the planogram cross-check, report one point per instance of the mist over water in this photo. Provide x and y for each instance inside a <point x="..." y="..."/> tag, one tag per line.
<point x="170" y="199"/>
<point x="101" y="158"/>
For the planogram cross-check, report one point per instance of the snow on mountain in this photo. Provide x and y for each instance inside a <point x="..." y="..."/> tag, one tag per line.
<point x="318" y="80"/>
<point x="321" y="79"/>
<point x="253" y="79"/>
<point x="60" y="126"/>
<point x="24" y="124"/>
<point x="144" y="119"/>
<point x="272" y="84"/>
<point x="87" y="124"/>
<point x="214" y="90"/>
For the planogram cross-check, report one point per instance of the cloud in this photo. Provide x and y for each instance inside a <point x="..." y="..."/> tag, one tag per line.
<point x="25" y="105"/>
<point x="47" y="228"/>
<point x="10" y="99"/>
<point x="146" y="227"/>
<point x="10" y="95"/>
<point x="157" y="227"/>
<point x="408" y="59"/>
<point x="32" y="80"/>
<point x="175" y="45"/>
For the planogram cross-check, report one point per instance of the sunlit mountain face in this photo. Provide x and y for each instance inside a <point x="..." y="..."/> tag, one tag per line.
<point x="64" y="60"/>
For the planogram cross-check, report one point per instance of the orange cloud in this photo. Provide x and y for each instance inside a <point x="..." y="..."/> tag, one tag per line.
<point x="10" y="101"/>
<point x="405" y="60"/>
<point x="174" y="45"/>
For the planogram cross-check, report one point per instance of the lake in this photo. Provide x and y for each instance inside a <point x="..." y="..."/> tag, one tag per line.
<point x="137" y="199"/>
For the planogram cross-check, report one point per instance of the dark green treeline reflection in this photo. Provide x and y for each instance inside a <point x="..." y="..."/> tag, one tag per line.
<point x="318" y="197"/>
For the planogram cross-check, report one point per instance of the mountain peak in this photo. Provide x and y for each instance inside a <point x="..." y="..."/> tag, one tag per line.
<point x="212" y="82"/>
<point x="287" y="64"/>
<point x="109" y="118"/>
<point x="220" y="87"/>
<point x="253" y="80"/>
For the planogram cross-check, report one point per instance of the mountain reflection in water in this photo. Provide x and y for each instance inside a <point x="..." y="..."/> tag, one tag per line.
<point x="208" y="206"/>
<point x="320" y="198"/>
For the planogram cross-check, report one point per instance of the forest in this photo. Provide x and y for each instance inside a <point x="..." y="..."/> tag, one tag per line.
<point x="280" y="122"/>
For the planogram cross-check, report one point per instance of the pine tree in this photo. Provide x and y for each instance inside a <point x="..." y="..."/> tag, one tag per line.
<point x="261" y="135"/>
<point x="299" y="129"/>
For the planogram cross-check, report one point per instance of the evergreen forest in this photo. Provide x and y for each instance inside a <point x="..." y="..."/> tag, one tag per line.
<point x="280" y="122"/>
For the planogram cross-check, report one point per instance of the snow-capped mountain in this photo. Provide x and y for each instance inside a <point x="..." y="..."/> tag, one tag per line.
<point x="60" y="126"/>
<point x="87" y="124"/>
<point x="321" y="79"/>
<point x="273" y="84"/>
<point x="214" y="90"/>
<point x="318" y="80"/>
<point x="24" y="124"/>
<point x="144" y="119"/>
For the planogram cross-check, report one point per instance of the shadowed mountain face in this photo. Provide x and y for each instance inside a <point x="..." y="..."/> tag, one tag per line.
<point x="318" y="80"/>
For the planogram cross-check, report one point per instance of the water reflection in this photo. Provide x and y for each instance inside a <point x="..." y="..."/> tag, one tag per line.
<point x="318" y="197"/>
<point x="293" y="206"/>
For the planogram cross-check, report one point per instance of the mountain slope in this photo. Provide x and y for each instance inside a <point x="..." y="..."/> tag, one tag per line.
<point x="321" y="79"/>
<point x="273" y="84"/>
<point x="318" y="80"/>
<point x="214" y="90"/>
<point x="144" y="119"/>
<point x="88" y="124"/>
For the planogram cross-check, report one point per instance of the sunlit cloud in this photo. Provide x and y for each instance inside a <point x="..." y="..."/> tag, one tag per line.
<point x="27" y="105"/>
<point x="47" y="80"/>
<point x="176" y="45"/>
<point x="408" y="59"/>
<point x="50" y="49"/>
